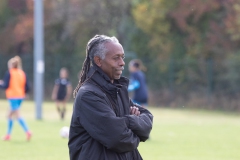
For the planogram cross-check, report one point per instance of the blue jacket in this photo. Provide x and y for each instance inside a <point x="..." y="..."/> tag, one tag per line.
<point x="139" y="86"/>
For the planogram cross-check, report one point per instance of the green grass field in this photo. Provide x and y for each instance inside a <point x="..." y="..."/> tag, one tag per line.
<point x="178" y="134"/>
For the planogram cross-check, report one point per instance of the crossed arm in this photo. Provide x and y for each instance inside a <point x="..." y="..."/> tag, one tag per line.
<point x="121" y="134"/>
<point x="140" y="121"/>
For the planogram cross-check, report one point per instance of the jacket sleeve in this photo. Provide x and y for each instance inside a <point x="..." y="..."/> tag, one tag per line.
<point x="6" y="80"/>
<point x="141" y="125"/>
<point x="99" y="120"/>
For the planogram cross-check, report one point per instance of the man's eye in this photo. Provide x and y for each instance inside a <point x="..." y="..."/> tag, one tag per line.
<point x="117" y="58"/>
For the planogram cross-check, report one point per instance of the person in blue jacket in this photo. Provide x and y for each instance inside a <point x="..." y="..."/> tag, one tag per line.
<point x="138" y="82"/>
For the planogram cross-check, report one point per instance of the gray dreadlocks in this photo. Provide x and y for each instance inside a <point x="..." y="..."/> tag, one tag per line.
<point x="95" y="47"/>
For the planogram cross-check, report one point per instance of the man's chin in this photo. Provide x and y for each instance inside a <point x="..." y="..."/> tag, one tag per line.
<point x="117" y="77"/>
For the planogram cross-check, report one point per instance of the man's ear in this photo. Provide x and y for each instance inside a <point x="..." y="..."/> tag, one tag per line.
<point x="97" y="61"/>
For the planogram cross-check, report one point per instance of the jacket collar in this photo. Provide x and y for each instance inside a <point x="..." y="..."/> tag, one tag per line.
<point x="97" y="75"/>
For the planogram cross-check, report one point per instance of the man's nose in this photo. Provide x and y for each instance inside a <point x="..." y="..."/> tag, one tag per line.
<point x="122" y="63"/>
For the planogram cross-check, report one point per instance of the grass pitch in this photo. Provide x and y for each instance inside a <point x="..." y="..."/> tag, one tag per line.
<point x="178" y="134"/>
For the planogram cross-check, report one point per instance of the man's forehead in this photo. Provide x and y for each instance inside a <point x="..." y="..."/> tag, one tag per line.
<point x="112" y="44"/>
<point x="114" y="47"/>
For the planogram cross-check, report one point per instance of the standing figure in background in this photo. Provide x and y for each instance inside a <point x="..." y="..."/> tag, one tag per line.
<point x="16" y="85"/>
<point x="62" y="92"/>
<point x="138" y="82"/>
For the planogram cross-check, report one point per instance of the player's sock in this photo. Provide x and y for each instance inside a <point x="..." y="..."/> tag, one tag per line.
<point x="9" y="130"/>
<point x="63" y="113"/>
<point x="58" y="109"/>
<point x="23" y="124"/>
<point x="10" y="126"/>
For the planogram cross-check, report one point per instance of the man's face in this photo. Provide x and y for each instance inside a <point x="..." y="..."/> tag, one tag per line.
<point x="113" y="63"/>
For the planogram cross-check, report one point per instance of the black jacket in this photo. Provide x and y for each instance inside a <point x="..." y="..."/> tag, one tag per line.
<point x="101" y="126"/>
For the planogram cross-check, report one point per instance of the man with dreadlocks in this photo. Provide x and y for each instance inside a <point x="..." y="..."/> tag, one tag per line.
<point x="106" y="124"/>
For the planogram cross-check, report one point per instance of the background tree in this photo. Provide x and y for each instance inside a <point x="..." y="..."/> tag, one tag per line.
<point x="189" y="47"/>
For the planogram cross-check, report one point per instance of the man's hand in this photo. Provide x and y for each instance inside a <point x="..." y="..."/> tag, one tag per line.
<point x="134" y="111"/>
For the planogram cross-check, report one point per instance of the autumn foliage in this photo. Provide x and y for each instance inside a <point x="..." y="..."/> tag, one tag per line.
<point x="190" y="47"/>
